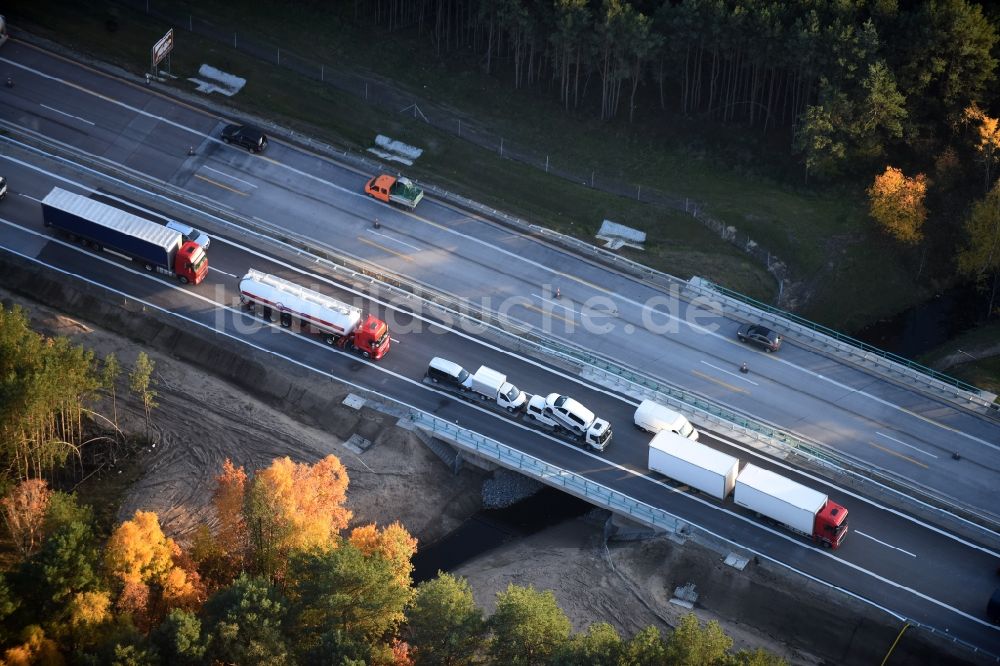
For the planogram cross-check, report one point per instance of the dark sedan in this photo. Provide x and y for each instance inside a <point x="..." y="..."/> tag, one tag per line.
<point x="247" y="136"/>
<point x="763" y="337"/>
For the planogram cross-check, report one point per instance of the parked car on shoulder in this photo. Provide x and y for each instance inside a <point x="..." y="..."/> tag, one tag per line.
<point x="247" y="136"/>
<point x="761" y="336"/>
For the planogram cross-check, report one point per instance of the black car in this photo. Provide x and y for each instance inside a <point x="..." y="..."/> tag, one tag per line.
<point x="765" y="338"/>
<point x="247" y="136"/>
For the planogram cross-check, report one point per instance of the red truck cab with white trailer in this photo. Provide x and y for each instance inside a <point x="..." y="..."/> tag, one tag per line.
<point x="338" y="323"/>
<point x="792" y="505"/>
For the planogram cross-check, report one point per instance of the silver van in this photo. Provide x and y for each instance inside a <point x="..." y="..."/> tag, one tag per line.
<point x="653" y="417"/>
<point x="441" y="370"/>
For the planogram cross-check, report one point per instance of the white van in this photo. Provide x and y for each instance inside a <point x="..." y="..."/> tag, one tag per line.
<point x="653" y="417"/>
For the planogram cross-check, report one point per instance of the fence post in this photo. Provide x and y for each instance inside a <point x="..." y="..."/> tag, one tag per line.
<point x="591" y="178"/>
<point x="234" y="40"/>
<point x="279" y="57"/>
<point x="190" y="19"/>
<point x="638" y="192"/>
<point x="322" y="72"/>
<point x="501" y="147"/>
<point x="546" y="164"/>
<point x="459" y="127"/>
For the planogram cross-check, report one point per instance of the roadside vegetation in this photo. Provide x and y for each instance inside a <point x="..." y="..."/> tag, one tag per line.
<point x="281" y="577"/>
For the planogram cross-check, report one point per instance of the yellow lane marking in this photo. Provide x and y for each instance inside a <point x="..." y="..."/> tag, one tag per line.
<point x="222" y="185"/>
<point x="738" y="389"/>
<point x="898" y="455"/>
<point x="383" y="247"/>
<point x="548" y="313"/>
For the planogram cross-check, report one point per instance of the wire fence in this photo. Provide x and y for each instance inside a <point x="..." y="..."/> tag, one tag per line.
<point x="389" y="96"/>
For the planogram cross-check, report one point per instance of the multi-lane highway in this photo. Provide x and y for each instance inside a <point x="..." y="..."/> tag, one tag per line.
<point x="933" y="443"/>
<point x="909" y="567"/>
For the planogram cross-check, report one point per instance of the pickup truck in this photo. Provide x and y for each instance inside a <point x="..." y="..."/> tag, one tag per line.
<point x="401" y="191"/>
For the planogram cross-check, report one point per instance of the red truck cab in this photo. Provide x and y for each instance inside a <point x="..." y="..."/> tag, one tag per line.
<point x="371" y="338"/>
<point x="191" y="263"/>
<point x="830" y="527"/>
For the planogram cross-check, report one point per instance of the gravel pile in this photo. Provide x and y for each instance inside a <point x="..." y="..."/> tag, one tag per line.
<point x="506" y="488"/>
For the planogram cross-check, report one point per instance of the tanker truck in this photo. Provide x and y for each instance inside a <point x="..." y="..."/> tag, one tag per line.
<point x="106" y="228"/>
<point x="338" y="323"/>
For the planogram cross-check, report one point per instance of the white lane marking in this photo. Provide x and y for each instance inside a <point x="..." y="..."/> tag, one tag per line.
<point x="734" y="374"/>
<point x="926" y="453"/>
<point x="394" y="240"/>
<point x="68" y="115"/>
<point x="584" y="311"/>
<point x="219" y="270"/>
<point x="887" y="545"/>
<point x="229" y="176"/>
<point x="781" y="534"/>
<point x="559" y="305"/>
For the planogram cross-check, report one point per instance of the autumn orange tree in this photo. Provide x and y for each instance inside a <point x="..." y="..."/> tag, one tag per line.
<point x="23" y="511"/>
<point x="896" y="202"/>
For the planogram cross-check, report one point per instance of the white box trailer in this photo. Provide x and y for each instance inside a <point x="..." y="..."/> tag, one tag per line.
<point x="696" y="465"/>
<point x="779" y="499"/>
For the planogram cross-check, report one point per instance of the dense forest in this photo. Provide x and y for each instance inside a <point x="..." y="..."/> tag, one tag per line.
<point x="283" y="575"/>
<point x="898" y="98"/>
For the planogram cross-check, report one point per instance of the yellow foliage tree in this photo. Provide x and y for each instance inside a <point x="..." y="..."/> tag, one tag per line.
<point x="138" y="551"/>
<point x="153" y="571"/>
<point x="89" y="609"/>
<point x="986" y="139"/>
<point x="308" y="500"/>
<point x="897" y="204"/>
<point x="393" y="543"/>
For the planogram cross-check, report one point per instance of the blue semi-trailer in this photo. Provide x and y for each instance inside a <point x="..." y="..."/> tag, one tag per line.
<point x="103" y="227"/>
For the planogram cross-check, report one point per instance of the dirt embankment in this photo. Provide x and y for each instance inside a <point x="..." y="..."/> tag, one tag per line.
<point x="252" y="408"/>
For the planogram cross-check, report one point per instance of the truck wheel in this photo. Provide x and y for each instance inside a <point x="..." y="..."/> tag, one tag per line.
<point x="531" y="416"/>
<point x="510" y="409"/>
<point x="742" y="339"/>
<point x="330" y="340"/>
<point x="366" y="354"/>
<point x="183" y="279"/>
<point x="149" y="267"/>
<point x="225" y="140"/>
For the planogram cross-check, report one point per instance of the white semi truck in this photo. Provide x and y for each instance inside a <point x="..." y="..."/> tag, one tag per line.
<point x="792" y="505"/>
<point x="772" y="496"/>
<point x="696" y="465"/>
<point x="493" y="385"/>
